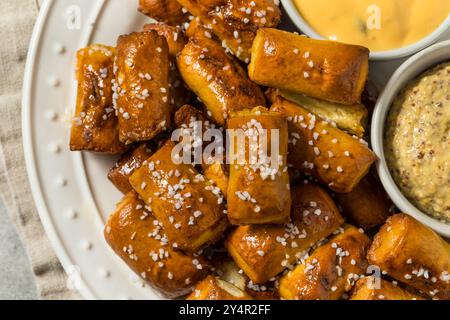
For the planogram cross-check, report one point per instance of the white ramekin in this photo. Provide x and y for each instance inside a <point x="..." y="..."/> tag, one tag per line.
<point x="298" y="20"/>
<point x="408" y="71"/>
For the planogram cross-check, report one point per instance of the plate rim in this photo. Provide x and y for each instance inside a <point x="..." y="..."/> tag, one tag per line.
<point x="28" y="148"/>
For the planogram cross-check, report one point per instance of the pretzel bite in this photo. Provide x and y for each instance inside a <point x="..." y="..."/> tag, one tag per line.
<point x="414" y="254"/>
<point x="94" y="127"/>
<point x="367" y="204"/>
<point x="216" y="173"/>
<point x="217" y="78"/>
<point x="142" y="86"/>
<point x="190" y="209"/>
<point x="258" y="187"/>
<point x="366" y="290"/>
<point x="125" y="166"/>
<point x="318" y="148"/>
<point x="139" y="240"/>
<point x="235" y="21"/>
<point x="263" y="251"/>
<point x="351" y="119"/>
<point x="167" y="11"/>
<point x="187" y="115"/>
<point x="228" y="271"/>
<point x="213" y="170"/>
<point x="174" y="36"/>
<point x="195" y="25"/>
<point x="322" y="69"/>
<point x="193" y="123"/>
<point x="330" y="271"/>
<point x="213" y="288"/>
<point x="179" y="94"/>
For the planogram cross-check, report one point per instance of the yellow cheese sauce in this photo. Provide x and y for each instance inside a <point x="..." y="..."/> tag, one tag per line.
<point x="376" y="24"/>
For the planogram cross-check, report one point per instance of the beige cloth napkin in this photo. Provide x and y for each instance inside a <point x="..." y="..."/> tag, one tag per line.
<point x="16" y="24"/>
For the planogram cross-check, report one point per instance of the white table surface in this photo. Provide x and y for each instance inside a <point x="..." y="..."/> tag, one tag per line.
<point x="16" y="278"/>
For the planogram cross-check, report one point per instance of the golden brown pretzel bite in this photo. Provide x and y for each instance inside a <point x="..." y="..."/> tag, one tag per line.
<point x="326" y="70"/>
<point x="351" y="119"/>
<point x="186" y="117"/>
<point x="179" y="94"/>
<point x="125" y="166"/>
<point x="258" y="190"/>
<point x="365" y="290"/>
<point x="94" y="127"/>
<point x="194" y="26"/>
<point x="414" y="254"/>
<point x="235" y="21"/>
<point x="168" y="11"/>
<point x="142" y="86"/>
<point x="139" y="240"/>
<point x="330" y="271"/>
<point x="318" y="148"/>
<point x="190" y="209"/>
<point x="367" y="204"/>
<point x="213" y="288"/>
<point x="216" y="172"/>
<point x="192" y="119"/>
<point x="263" y="251"/>
<point x="174" y="36"/>
<point x="217" y="78"/>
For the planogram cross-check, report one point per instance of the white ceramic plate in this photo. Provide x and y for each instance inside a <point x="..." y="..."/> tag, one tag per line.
<point x="71" y="191"/>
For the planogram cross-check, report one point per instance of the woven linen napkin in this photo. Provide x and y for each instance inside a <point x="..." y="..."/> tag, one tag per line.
<point x="16" y="25"/>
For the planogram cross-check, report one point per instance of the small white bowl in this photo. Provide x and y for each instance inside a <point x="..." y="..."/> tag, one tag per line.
<point x="301" y="24"/>
<point x="408" y="71"/>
